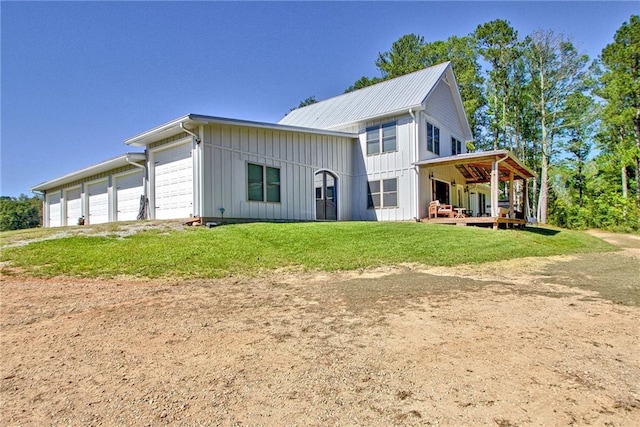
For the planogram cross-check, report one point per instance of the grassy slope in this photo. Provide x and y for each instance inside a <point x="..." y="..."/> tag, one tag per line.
<point x="253" y="248"/>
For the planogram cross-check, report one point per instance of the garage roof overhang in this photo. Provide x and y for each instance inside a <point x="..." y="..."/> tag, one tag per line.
<point x="105" y="166"/>
<point x="173" y="128"/>
<point x="476" y="167"/>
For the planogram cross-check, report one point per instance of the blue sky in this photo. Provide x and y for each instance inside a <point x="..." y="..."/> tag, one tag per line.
<point x="78" y="78"/>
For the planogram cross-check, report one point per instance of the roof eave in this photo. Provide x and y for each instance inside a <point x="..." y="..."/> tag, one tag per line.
<point x="105" y="166"/>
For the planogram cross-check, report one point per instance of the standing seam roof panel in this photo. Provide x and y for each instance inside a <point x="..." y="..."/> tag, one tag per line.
<point x="376" y="100"/>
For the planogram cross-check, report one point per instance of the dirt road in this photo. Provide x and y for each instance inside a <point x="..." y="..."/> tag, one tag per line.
<point x="526" y="342"/>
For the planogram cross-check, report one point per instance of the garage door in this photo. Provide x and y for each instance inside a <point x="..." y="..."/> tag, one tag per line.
<point x="98" y="202"/>
<point x="74" y="205"/>
<point x="174" y="182"/>
<point x="54" y="209"/>
<point x="128" y="191"/>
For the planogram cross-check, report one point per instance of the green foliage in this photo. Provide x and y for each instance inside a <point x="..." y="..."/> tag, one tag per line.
<point x="20" y="213"/>
<point x="255" y="248"/>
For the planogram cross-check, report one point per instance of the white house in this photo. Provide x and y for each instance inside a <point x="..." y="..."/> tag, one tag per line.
<point x="383" y="152"/>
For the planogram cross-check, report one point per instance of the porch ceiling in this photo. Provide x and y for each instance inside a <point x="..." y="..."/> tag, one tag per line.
<point x="476" y="167"/>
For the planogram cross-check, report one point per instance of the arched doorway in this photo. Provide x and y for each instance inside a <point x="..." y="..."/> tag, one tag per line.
<point x="326" y="196"/>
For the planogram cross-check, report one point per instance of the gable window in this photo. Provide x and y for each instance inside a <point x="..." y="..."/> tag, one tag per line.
<point x="433" y="139"/>
<point x="263" y="183"/>
<point x="456" y="146"/>
<point x="381" y="138"/>
<point x="382" y="193"/>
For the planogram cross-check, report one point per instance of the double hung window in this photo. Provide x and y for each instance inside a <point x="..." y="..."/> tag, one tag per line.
<point x="381" y="138"/>
<point x="456" y="146"/>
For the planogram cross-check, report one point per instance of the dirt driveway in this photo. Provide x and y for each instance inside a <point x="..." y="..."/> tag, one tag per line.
<point x="526" y="342"/>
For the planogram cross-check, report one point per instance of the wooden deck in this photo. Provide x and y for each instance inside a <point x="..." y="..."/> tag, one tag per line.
<point x="481" y="221"/>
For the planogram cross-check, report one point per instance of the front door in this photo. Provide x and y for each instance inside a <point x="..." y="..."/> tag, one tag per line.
<point x="326" y="197"/>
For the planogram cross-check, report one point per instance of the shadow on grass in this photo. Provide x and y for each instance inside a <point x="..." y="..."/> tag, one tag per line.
<point x="541" y="231"/>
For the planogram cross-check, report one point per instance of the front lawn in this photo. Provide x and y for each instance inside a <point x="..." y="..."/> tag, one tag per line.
<point x="249" y="249"/>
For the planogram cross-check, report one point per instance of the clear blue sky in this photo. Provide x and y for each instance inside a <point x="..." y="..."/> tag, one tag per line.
<point x="78" y="78"/>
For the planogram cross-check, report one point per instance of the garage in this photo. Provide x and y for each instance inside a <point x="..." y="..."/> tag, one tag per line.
<point x="98" y="202"/>
<point x="54" y="209"/>
<point x="129" y="188"/>
<point x="73" y="203"/>
<point x="173" y="170"/>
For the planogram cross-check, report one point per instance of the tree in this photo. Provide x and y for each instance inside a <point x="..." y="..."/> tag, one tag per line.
<point x="405" y="56"/>
<point x="557" y="70"/>
<point x="621" y="91"/>
<point x="362" y="82"/>
<point x="307" y="101"/>
<point x="19" y="213"/>
<point x="497" y="43"/>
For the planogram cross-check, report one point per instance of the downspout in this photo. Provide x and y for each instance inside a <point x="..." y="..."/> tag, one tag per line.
<point x="144" y="184"/>
<point x="495" y="179"/>
<point x="193" y="134"/>
<point x="417" y="168"/>
<point x="197" y="205"/>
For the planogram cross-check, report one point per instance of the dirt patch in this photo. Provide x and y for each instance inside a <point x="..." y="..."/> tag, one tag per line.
<point x="512" y="343"/>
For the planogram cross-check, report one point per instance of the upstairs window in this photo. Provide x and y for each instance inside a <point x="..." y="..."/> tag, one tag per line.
<point x="382" y="193"/>
<point x="456" y="146"/>
<point x="433" y="139"/>
<point x="381" y="138"/>
<point x="263" y="183"/>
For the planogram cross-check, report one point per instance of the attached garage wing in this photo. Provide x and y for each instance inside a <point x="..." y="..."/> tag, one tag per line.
<point x="98" y="199"/>
<point x="73" y="202"/>
<point x="173" y="169"/>
<point x="129" y="188"/>
<point x="54" y="208"/>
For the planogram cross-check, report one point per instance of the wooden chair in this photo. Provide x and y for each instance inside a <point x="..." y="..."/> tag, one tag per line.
<point x="436" y="210"/>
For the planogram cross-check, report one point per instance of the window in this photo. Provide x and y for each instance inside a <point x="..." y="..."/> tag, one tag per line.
<point x="456" y="146"/>
<point x="433" y="138"/>
<point x="385" y="133"/>
<point x="387" y="198"/>
<point x="263" y="183"/>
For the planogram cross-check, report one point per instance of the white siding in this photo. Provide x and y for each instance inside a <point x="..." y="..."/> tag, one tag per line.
<point x="228" y="149"/>
<point x="54" y="209"/>
<point x="73" y="203"/>
<point x="383" y="166"/>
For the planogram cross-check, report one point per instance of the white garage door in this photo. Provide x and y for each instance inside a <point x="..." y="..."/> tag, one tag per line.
<point x="174" y="182"/>
<point x="98" y="202"/>
<point x="74" y="205"/>
<point x="128" y="191"/>
<point x="54" y="209"/>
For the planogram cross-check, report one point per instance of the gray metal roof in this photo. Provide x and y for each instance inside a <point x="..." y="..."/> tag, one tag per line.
<point x="385" y="98"/>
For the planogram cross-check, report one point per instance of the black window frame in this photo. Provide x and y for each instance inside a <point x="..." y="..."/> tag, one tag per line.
<point x="380" y="191"/>
<point x="267" y="183"/>
<point x="382" y="138"/>
<point x="433" y="138"/>
<point x="456" y="146"/>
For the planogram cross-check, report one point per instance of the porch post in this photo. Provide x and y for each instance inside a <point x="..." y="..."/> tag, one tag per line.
<point x="511" y="195"/>
<point x="494" y="188"/>
<point x="525" y="198"/>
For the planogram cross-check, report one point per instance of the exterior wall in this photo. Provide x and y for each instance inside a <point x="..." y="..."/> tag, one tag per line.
<point x="63" y="191"/>
<point x="226" y="150"/>
<point x="396" y="164"/>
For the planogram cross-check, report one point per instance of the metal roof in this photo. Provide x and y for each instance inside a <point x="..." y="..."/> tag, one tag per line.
<point x="173" y="128"/>
<point x="382" y="99"/>
<point x="105" y="166"/>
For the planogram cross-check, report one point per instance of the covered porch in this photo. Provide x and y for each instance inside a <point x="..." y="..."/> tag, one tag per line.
<point x="466" y="189"/>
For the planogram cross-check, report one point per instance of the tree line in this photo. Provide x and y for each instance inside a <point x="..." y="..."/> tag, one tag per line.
<point x="20" y="212"/>
<point x="574" y="121"/>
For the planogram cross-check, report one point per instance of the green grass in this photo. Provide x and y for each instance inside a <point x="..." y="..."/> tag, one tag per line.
<point x="254" y="248"/>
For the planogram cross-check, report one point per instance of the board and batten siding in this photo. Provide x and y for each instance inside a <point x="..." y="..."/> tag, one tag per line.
<point x="227" y="150"/>
<point x="396" y="164"/>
